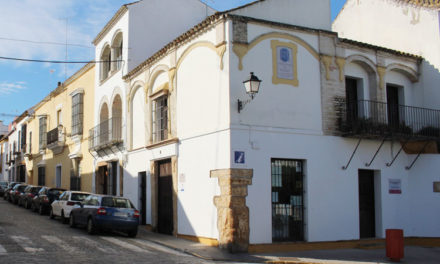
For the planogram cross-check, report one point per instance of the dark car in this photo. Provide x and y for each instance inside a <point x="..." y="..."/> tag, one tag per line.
<point x="46" y="196"/>
<point x="8" y="189"/>
<point x="16" y="192"/>
<point x="29" y="194"/>
<point x="105" y="212"/>
<point x="3" y="187"/>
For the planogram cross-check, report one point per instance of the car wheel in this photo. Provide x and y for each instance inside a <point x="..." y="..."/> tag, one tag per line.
<point x="71" y="221"/>
<point x="51" y="215"/>
<point x="63" y="218"/>
<point x="91" y="229"/>
<point x="32" y="207"/>
<point x="40" y="210"/>
<point x="26" y="204"/>
<point x="132" y="233"/>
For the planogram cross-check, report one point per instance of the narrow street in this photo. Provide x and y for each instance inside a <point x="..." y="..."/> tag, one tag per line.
<point x="26" y="237"/>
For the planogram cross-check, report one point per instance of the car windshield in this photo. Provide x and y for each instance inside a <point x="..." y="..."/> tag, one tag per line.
<point x="55" y="191"/>
<point x="116" y="202"/>
<point x="78" y="196"/>
<point x="21" y="188"/>
<point x="36" y="189"/>
<point x="3" y="184"/>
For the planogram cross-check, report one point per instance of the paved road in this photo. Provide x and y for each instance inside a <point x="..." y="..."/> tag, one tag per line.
<point x="26" y="237"/>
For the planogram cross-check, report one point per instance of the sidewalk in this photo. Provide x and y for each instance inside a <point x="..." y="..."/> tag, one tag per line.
<point x="413" y="254"/>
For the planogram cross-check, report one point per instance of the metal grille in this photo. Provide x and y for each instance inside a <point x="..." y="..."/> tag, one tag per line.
<point x="42" y="134"/>
<point x="287" y="200"/>
<point x="160" y="119"/>
<point x="106" y="133"/>
<point x="52" y="136"/>
<point x="378" y="118"/>
<point x="77" y="114"/>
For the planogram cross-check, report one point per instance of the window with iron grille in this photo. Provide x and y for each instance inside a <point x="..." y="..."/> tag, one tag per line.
<point x="23" y="137"/>
<point x="43" y="132"/>
<point x="77" y="114"/>
<point x="160" y="118"/>
<point x="287" y="200"/>
<point x="41" y="176"/>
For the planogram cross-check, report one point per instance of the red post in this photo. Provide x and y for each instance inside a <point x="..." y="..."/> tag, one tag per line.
<point x="394" y="244"/>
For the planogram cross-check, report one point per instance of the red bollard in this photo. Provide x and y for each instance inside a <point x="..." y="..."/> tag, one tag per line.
<point x="394" y="244"/>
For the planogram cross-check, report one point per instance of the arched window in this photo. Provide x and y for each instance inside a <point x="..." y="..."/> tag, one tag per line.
<point x="103" y="124"/>
<point x="117" y="46"/>
<point x="105" y="63"/>
<point x="117" y="118"/>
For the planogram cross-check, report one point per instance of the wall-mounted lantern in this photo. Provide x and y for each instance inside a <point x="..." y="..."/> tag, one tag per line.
<point x="252" y="86"/>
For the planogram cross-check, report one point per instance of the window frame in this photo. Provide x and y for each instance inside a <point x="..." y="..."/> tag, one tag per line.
<point x="42" y="136"/>
<point x="77" y="114"/>
<point x="160" y="117"/>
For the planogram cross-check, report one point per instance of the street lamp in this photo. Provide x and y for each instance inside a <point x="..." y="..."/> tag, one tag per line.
<point x="252" y="86"/>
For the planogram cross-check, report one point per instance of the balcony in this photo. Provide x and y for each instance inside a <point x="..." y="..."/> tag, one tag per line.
<point x="27" y="150"/>
<point x="56" y="139"/>
<point x="106" y="136"/>
<point x="371" y="119"/>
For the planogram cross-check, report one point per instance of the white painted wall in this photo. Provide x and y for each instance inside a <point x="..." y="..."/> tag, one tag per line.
<point x="153" y="24"/>
<point x="413" y="29"/>
<point x="138" y="121"/>
<point x="306" y="13"/>
<point x="4" y="176"/>
<point x="277" y="105"/>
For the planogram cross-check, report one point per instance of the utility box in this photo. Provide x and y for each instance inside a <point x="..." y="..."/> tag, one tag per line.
<point x="394" y="244"/>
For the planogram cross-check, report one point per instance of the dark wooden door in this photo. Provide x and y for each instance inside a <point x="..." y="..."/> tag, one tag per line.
<point x="352" y="99"/>
<point x="367" y="226"/>
<point x="143" y="196"/>
<point x="393" y="105"/>
<point x="101" y="180"/>
<point x="165" y="195"/>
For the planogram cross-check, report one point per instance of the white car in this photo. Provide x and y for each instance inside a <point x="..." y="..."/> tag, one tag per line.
<point x="65" y="203"/>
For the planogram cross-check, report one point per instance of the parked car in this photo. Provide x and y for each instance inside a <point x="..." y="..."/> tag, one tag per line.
<point x="105" y="212"/>
<point x="65" y="203"/>
<point x="45" y="198"/>
<point x="29" y="194"/>
<point x="10" y="186"/>
<point x="3" y="187"/>
<point x="16" y="192"/>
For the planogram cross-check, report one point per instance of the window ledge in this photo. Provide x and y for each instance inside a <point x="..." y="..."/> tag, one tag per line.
<point x="163" y="143"/>
<point x="111" y="74"/>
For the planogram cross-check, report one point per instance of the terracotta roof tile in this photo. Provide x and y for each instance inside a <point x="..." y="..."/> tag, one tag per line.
<point x="423" y="3"/>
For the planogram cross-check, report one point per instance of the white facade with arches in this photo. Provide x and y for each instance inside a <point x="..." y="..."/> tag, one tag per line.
<point x="197" y="166"/>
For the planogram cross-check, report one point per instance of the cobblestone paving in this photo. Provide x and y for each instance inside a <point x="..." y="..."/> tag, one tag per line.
<point x="26" y="237"/>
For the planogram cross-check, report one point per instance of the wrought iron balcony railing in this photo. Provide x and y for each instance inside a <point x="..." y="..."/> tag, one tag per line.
<point x="55" y="139"/>
<point x="106" y="134"/>
<point x="377" y="119"/>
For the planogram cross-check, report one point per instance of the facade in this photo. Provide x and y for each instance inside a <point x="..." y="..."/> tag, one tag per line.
<point x="411" y="22"/>
<point x="57" y="131"/>
<point x="4" y="156"/>
<point x="123" y="43"/>
<point x="315" y="156"/>
<point x="17" y="149"/>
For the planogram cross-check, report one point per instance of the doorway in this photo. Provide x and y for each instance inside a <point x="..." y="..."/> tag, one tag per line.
<point x="143" y="196"/>
<point x="58" y="176"/>
<point x="351" y="95"/>
<point x="165" y="197"/>
<point x="101" y="180"/>
<point x="393" y="106"/>
<point x="112" y="178"/>
<point x="367" y="222"/>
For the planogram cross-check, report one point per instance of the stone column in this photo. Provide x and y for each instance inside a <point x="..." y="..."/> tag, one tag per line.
<point x="232" y="212"/>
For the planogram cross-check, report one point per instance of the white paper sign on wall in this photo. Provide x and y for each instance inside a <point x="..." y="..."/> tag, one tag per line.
<point x="395" y="186"/>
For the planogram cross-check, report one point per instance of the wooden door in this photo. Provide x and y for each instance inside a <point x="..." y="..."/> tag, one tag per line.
<point x="165" y="195"/>
<point x="393" y="106"/>
<point x="367" y="221"/>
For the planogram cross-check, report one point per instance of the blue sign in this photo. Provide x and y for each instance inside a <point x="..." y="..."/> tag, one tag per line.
<point x="239" y="157"/>
<point x="284" y="55"/>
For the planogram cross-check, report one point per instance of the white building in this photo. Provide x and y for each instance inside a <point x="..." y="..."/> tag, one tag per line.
<point x="134" y="33"/>
<point x="411" y="26"/>
<point x="201" y="160"/>
<point x="17" y="139"/>
<point x="4" y="156"/>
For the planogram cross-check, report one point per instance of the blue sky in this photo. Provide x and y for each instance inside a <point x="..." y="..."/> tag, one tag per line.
<point x="37" y="29"/>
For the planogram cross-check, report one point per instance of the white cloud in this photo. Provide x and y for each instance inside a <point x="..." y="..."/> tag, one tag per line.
<point x="8" y="88"/>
